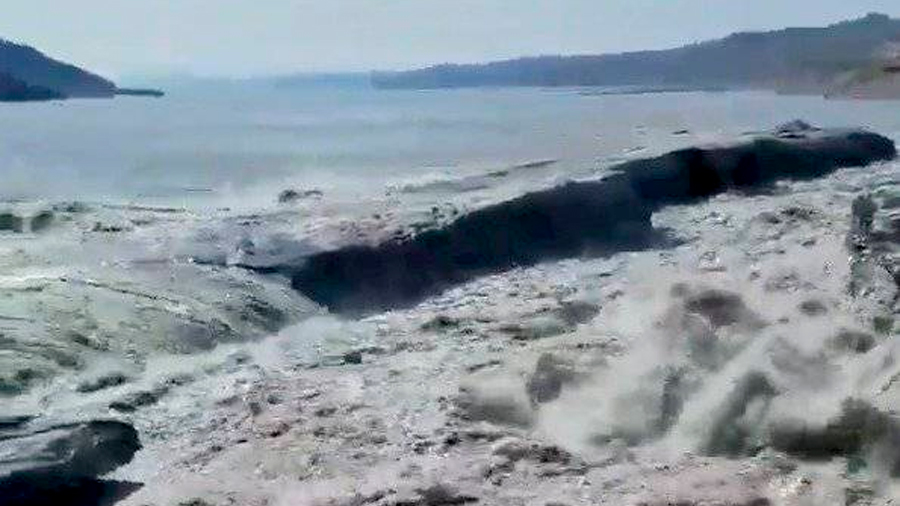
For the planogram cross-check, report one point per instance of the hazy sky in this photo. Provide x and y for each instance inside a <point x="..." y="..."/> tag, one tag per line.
<point x="251" y="37"/>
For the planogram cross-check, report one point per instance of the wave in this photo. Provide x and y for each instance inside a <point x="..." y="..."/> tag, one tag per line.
<point x="447" y="183"/>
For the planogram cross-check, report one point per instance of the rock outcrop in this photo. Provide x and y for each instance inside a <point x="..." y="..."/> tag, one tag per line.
<point x="584" y="218"/>
<point x="62" y="464"/>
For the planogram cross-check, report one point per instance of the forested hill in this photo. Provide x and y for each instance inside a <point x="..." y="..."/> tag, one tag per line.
<point x="35" y="69"/>
<point x="790" y="58"/>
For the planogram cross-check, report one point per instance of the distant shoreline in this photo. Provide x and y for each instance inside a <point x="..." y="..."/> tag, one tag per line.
<point x="140" y="92"/>
<point x="652" y="90"/>
<point x="809" y="58"/>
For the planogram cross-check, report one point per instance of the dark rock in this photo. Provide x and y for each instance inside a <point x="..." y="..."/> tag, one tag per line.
<point x="353" y="357"/>
<point x="729" y="436"/>
<point x="13" y="422"/>
<point x="60" y="465"/>
<point x="22" y="490"/>
<point x="443" y="495"/>
<point x="440" y="323"/>
<point x="862" y="215"/>
<point x="325" y="412"/>
<point x="696" y="319"/>
<point x="138" y="400"/>
<point x="191" y="336"/>
<point x="577" y="312"/>
<point x="796" y="213"/>
<point x="74" y="207"/>
<point x="515" y="450"/>
<point x="263" y="315"/>
<point x="537" y="328"/>
<point x="108" y="228"/>
<point x="813" y="307"/>
<point x="795" y="127"/>
<point x="883" y="324"/>
<point x="358" y="499"/>
<point x="291" y="195"/>
<point x="594" y="218"/>
<point x="452" y="439"/>
<point x="41" y="221"/>
<point x="719" y="307"/>
<point x="549" y="376"/>
<point x="553" y="460"/>
<point x="287" y="196"/>
<point x="9" y="222"/>
<point x="20" y="380"/>
<point x="278" y="430"/>
<point x="859" y="428"/>
<point x="103" y="382"/>
<point x="178" y="380"/>
<point x="483" y="365"/>
<point x="854" y="341"/>
<point x="671" y="401"/>
<point x="195" y="502"/>
<point x="256" y="408"/>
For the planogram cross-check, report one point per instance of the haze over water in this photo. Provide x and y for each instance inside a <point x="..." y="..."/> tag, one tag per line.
<point x="218" y="144"/>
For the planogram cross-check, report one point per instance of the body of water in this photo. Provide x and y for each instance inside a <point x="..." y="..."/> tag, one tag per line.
<point x="241" y="142"/>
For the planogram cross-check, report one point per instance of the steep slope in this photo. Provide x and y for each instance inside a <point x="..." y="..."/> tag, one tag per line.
<point x="785" y="58"/>
<point x="30" y="66"/>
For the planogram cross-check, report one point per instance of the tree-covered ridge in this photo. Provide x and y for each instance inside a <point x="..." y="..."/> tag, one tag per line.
<point x="788" y="58"/>
<point x="30" y="66"/>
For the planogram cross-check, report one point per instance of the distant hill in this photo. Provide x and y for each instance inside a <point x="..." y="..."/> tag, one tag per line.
<point x="793" y="59"/>
<point x="27" y="74"/>
<point x="36" y="69"/>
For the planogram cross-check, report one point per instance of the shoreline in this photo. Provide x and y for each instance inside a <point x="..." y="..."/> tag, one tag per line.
<point x="493" y="391"/>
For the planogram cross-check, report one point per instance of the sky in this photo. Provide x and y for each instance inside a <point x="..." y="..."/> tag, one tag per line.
<point x="242" y="38"/>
